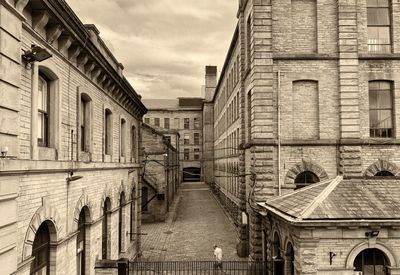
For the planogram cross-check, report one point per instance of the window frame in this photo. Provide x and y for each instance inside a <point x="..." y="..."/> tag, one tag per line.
<point x="391" y="92"/>
<point x="186" y="123"/>
<point x="108" y="131"/>
<point x="157" y="121"/>
<point x="389" y="26"/>
<point x="45" y="121"/>
<point x="167" y="122"/>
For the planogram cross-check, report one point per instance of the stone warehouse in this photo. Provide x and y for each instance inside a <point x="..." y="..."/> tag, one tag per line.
<point x="69" y="128"/>
<point x="185" y="116"/>
<point x="160" y="173"/>
<point x="308" y="92"/>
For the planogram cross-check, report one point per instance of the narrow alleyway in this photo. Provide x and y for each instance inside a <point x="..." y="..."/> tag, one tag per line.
<point x="190" y="233"/>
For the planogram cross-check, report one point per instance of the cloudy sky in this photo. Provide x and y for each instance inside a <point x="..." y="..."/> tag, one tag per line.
<point x="163" y="44"/>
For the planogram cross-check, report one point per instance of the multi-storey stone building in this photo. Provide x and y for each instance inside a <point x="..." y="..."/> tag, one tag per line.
<point x="309" y="92"/>
<point x="184" y="115"/>
<point x="69" y="127"/>
<point x="160" y="173"/>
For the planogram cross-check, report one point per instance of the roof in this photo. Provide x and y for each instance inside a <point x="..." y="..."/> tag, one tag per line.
<point x="181" y="103"/>
<point x="341" y="199"/>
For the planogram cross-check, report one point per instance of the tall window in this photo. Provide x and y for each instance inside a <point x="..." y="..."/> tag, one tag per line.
<point x="186" y="123"/>
<point x="305" y="178"/>
<point x="105" y="236"/>
<point x="133" y="143"/>
<point x="145" y="197"/>
<point x="177" y="123"/>
<point x="166" y="123"/>
<point x="196" y="123"/>
<point x="108" y="132"/>
<point x="121" y="223"/>
<point x="84" y="121"/>
<point x="157" y="121"/>
<point x="41" y="251"/>
<point x="380" y="109"/>
<point x="147" y="120"/>
<point x="43" y="111"/>
<point x="248" y="42"/>
<point x="379" y="26"/>
<point x="123" y="137"/>
<point x="186" y="153"/>
<point x="196" y="155"/>
<point x="196" y="138"/>
<point x="186" y="139"/>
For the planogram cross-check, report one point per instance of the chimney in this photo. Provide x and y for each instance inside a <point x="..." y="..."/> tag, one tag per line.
<point x="211" y="82"/>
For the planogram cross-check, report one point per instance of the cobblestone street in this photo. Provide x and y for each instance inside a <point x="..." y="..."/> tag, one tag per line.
<point x="190" y="233"/>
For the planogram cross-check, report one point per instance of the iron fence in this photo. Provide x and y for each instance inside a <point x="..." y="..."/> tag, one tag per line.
<point x="196" y="267"/>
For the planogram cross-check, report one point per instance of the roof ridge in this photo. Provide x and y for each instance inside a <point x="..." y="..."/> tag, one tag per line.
<point x="321" y="197"/>
<point x="301" y="189"/>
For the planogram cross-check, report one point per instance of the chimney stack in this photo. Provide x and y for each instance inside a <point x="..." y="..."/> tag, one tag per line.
<point x="211" y="82"/>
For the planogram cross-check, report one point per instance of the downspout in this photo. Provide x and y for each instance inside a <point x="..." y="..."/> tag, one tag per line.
<point x="279" y="134"/>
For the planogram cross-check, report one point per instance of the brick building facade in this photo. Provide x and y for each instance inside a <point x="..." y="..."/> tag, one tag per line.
<point x="69" y="128"/>
<point x="184" y="115"/>
<point x="160" y="176"/>
<point x="308" y="91"/>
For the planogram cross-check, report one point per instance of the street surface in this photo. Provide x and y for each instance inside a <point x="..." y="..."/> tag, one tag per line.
<point x="190" y="233"/>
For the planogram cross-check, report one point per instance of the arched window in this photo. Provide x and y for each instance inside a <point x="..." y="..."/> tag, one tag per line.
<point x="380" y="109"/>
<point x="132" y="223"/>
<point x="123" y="137"/>
<point x="371" y="261"/>
<point x="41" y="251"/>
<point x="276" y="256"/>
<point x="121" y="224"/>
<point x="108" y="123"/>
<point x="81" y="244"/>
<point x="43" y="110"/>
<point x="106" y="226"/>
<point x="133" y="143"/>
<point x="384" y="174"/>
<point x="305" y="178"/>
<point x="84" y="122"/>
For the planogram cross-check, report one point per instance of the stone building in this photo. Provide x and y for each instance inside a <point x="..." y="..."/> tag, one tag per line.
<point x="160" y="174"/>
<point x="69" y="128"/>
<point x="184" y="115"/>
<point x="308" y="92"/>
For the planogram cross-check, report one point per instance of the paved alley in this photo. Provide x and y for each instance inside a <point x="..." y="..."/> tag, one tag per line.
<point x="199" y="222"/>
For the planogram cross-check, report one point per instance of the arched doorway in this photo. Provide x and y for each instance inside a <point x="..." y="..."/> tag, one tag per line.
<point x="191" y="174"/>
<point x="305" y="178"/>
<point x="384" y="173"/>
<point x="41" y="250"/>
<point x="121" y="222"/>
<point x="289" y="255"/>
<point x="372" y="261"/>
<point x="82" y="240"/>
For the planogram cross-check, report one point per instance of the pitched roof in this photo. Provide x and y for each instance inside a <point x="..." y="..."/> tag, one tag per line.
<point x="161" y="103"/>
<point x="338" y="199"/>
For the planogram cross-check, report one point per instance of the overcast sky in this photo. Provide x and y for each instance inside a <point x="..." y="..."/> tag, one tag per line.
<point x="163" y="44"/>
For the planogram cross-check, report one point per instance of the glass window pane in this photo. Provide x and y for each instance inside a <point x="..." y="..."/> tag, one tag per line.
<point x="40" y="126"/>
<point x="383" y="35"/>
<point x="384" y="99"/>
<point x="378" y="16"/>
<point x="373" y="99"/>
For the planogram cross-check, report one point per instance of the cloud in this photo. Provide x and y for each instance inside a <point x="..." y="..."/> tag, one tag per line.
<point x="163" y="44"/>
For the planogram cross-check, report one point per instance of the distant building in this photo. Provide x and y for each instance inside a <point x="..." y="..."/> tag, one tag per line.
<point x="185" y="116"/>
<point x="160" y="173"/>
<point x="309" y="92"/>
<point x="69" y="139"/>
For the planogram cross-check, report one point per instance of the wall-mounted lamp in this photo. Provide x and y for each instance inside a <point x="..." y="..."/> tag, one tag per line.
<point x="36" y="53"/>
<point x="371" y="234"/>
<point x="4" y="151"/>
<point x="71" y="177"/>
<point x="331" y="256"/>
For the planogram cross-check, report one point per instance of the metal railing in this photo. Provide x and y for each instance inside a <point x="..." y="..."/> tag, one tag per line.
<point x="196" y="268"/>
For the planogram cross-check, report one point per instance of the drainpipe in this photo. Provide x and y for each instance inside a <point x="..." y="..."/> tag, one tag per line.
<point x="279" y="134"/>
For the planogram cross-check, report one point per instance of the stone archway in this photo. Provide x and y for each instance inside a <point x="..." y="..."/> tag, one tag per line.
<point x="382" y="165"/>
<point x="366" y="245"/>
<point x="304" y="166"/>
<point x="45" y="213"/>
<point x="82" y="202"/>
